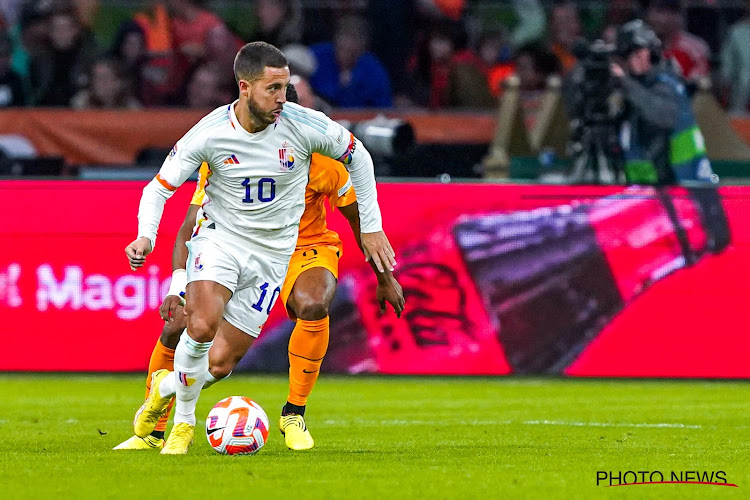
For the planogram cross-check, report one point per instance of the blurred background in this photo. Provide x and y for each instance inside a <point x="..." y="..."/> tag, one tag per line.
<point x="515" y="258"/>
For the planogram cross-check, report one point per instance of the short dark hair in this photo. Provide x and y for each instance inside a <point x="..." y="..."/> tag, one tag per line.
<point x="291" y="94"/>
<point x="253" y="58"/>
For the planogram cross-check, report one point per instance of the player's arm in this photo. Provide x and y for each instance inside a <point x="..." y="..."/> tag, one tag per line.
<point x="184" y="159"/>
<point x="340" y="144"/>
<point x="175" y="295"/>
<point x="389" y="290"/>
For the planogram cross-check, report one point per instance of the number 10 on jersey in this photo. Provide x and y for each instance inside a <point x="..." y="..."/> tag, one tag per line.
<point x="265" y="190"/>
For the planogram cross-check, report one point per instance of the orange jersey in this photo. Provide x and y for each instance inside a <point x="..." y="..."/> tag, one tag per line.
<point x="200" y="190"/>
<point x="328" y="179"/>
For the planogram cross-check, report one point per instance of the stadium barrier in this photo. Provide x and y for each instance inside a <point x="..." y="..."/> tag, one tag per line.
<point x="102" y="137"/>
<point x="499" y="279"/>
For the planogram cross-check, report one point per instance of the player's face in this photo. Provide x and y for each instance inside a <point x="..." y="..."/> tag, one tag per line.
<point x="267" y="95"/>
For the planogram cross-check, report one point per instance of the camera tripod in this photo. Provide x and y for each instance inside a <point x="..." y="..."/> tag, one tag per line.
<point x="596" y="156"/>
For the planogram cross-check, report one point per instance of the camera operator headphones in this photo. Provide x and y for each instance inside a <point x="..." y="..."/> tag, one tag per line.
<point x="636" y="35"/>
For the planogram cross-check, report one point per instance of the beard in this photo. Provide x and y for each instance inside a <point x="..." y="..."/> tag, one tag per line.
<point x="258" y="114"/>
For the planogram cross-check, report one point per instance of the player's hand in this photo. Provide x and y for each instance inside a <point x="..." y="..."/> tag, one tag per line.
<point x="168" y="308"/>
<point x="137" y="252"/>
<point x="389" y="290"/>
<point x="377" y="247"/>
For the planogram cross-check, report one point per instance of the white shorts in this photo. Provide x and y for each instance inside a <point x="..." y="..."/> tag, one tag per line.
<point x="253" y="278"/>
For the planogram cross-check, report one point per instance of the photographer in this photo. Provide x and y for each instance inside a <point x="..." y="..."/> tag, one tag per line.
<point x="660" y="140"/>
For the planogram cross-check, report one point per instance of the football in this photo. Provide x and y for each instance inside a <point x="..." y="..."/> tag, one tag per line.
<point x="237" y="426"/>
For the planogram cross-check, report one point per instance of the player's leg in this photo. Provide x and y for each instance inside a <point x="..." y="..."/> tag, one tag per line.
<point x="309" y="300"/>
<point x="230" y="345"/>
<point x="162" y="358"/>
<point x="206" y="302"/>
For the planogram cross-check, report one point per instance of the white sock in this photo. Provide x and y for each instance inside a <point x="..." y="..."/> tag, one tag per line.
<point x="167" y="385"/>
<point x="211" y="380"/>
<point x="190" y="368"/>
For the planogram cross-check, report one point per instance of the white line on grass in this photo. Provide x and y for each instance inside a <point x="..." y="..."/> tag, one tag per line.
<point x="612" y="424"/>
<point x="657" y="425"/>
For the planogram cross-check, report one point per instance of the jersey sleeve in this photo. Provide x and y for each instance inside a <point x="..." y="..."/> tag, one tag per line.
<point x="329" y="178"/>
<point x="338" y="143"/>
<point x="343" y="193"/>
<point x="184" y="159"/>
<point x="200" y="188"/>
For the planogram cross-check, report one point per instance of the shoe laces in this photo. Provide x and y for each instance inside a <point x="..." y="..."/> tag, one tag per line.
<point x="181" y="430"/>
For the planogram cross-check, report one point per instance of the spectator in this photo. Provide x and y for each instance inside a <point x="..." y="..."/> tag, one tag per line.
<point x="348" y="75"/>
<point x="735" y="63"/>
<point x="205" y="88"/>
<point x="30" y="37"/>
<point x="301" y="60"/>
<point x="468" y="85"/>
<point x="565" y="30"/>
<point x="156" y="85"/>
<point x="11" y="85"/>
<point x="619" y="12"/>
<point x="690" y="53"/>
<point x="458" y="77"/>
<point x="534" y="65"/>
<point x="307" y="97"/>
<point x="279" y="21"/>
<point x="129" y="49"/>
<point x="108" y="88"/>
<point x="191" y="26"/>
<point x="221" y="47"/>
<point x="494" y="49"/>
<point x="58" y="74"/>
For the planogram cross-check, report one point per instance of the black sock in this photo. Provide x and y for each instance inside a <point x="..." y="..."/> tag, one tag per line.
<point x="158" y="434"/>
<point x="290" y="408"/>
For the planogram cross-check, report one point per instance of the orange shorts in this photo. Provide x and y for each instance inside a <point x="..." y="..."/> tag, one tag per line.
<point x="326" y="256"/>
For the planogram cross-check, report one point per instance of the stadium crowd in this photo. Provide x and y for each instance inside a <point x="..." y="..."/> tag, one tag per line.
<point x="372" y="54"/>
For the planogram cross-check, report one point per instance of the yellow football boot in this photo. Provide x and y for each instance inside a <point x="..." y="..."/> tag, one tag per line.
<point x="179" y="439"/>
<point x="139" y="443"/>
<point x="151" y="411"/>
<point x="296" y="435"/>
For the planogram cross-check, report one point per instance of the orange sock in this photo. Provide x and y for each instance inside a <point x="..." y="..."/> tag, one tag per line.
<point x="161" y="358"/>
<point x="307" y="347"/>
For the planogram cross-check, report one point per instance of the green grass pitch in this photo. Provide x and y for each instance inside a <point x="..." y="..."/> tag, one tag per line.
<point x="385" y="437"/>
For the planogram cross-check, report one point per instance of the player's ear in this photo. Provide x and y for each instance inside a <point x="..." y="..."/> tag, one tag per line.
<point x="244" y="87"/>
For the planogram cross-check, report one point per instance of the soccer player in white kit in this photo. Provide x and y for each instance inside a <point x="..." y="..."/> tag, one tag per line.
<point x="258" y="150"/>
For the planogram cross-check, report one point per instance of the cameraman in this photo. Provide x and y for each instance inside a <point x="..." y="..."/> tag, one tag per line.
<point x="660" y="139"/>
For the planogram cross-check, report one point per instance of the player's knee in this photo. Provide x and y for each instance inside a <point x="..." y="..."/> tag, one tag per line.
<point x="311" y="310"/>
<point x="202" y="329"/>
<point x="170" y="334"/>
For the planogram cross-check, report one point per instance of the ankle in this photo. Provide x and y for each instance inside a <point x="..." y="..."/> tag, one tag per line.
<point x="290" y="408"/>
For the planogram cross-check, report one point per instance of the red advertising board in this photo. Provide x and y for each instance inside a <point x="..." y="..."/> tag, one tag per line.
<point x="499" y="279"/>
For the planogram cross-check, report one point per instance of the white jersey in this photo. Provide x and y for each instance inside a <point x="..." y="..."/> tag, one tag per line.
<point x="256" y="185"/>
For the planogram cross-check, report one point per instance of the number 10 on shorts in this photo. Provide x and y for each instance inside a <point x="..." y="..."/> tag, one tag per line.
<point x="258" y="306"/>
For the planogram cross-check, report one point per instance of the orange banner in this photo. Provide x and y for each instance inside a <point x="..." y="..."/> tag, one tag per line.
<point x="104" y="137"/>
